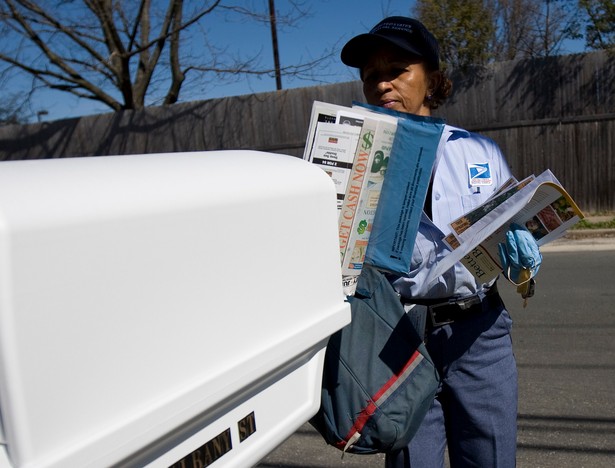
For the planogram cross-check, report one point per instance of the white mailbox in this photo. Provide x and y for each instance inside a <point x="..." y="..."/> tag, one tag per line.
<point x="163" y="310"/>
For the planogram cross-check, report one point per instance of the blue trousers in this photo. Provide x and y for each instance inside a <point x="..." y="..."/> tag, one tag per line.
<point x="474" y="413"/>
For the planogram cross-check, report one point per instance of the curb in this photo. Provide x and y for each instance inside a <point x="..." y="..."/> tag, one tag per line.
<point x="583" y="240"/>
<point x="577" y="234"/>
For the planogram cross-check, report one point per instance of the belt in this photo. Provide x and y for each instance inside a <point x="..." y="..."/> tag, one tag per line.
<point x="443" y="312"/>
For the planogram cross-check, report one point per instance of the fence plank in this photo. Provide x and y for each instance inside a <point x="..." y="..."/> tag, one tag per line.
<point x="556" y="113"/>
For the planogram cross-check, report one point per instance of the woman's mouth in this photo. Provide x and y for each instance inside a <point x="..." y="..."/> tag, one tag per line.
<point x="388" y="104"/>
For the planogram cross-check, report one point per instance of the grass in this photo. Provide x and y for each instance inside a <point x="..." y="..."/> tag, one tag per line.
<point x="591" y="223"/>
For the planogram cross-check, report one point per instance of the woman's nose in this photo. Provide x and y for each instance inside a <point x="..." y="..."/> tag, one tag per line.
<point x="383" y="84"/>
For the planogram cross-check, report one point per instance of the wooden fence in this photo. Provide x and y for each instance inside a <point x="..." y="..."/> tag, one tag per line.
<point x="556" y="113"/>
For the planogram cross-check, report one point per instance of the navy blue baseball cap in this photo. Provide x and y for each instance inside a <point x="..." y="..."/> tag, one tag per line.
<point x="407" y="34"/>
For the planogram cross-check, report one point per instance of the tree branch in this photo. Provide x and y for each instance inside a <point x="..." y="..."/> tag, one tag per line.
<point x="70" y="74"/>
<point x="177" y="75"/>
<point x="64" y="83"/>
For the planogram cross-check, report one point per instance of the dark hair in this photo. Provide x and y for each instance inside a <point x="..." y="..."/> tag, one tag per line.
<point x="442" y="88"/>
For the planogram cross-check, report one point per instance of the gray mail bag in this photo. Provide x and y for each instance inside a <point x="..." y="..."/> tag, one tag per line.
<point x="378" y="379"/>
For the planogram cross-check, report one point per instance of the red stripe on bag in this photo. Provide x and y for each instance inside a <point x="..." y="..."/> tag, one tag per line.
<point x="381" y="396"/>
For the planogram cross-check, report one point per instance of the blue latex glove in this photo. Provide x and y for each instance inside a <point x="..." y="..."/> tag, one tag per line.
<point x="520" y="252"/>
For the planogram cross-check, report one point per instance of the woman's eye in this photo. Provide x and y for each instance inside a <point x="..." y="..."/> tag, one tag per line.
<point x="375" y="76"/>
<point x="369" y="77"/>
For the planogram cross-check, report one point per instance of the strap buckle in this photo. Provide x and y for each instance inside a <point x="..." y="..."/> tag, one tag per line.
<point x="432" y="315"/>
<point x="468" y="302"/>
<point x="462" y="304"/>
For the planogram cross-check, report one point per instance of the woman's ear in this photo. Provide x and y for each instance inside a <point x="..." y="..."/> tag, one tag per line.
<point x="434" y="79"/>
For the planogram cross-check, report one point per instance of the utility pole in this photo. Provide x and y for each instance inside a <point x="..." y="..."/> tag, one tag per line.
<point x="274" y="41"/>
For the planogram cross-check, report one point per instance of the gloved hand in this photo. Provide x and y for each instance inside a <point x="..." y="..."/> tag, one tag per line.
<point x="519" y="255"/>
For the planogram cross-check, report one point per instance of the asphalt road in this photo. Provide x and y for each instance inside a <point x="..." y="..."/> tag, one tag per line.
<point x="565" y="349"/>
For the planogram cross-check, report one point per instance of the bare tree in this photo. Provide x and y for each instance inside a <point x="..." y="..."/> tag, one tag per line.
<point x="12" y="110"/>
<point x="552" y="22"/>
<point x="514" y="30"/>
<point x="123" y="53"/>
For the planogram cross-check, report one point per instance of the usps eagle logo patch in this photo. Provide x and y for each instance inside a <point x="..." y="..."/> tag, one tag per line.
<point x="479" y="174"/>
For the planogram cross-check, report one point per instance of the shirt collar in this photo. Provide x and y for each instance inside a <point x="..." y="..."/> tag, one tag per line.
<point x="455" y="133"/>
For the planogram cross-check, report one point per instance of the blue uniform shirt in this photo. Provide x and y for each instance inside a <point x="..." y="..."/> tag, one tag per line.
<point x="463" y="159"/>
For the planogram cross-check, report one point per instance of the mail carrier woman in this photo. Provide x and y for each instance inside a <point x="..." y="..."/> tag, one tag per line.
<point x="467" y="327"/>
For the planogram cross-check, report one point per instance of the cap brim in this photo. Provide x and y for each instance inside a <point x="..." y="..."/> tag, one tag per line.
<point x="359" y="49"/>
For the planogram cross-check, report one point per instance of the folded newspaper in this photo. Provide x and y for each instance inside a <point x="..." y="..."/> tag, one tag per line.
<point x="381" y="162"/>
<point x="540" y="204"/>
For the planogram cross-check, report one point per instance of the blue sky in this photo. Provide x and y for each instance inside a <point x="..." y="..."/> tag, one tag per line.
<point x="331" y="24"/>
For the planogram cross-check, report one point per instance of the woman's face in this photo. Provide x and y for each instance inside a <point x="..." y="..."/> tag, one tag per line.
<point x="396" y="81"/>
